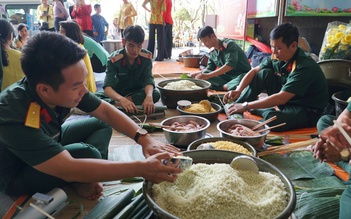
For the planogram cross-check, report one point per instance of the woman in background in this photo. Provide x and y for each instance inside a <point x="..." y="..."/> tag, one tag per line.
<point x="45" y="13"/>
<point x="72" y="30"/>
<point x="60" y="13"/>
<point x="156" y="22"/>
<point x="81" y="13"/>
<point x="10" y="58"/>
<point x="125" y="17"/>
<point x="22" y="36"/>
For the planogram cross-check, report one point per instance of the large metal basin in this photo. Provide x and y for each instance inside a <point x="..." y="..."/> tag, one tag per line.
<point x="219" y="156"/>
<point x="338" y="75"/>
<point x="337" y="71"/>
<point x="171" y="97"/>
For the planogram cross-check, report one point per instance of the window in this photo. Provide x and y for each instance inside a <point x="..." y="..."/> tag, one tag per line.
<point x="22" y="13"/>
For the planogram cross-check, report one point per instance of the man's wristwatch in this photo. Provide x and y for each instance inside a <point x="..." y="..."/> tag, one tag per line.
<point x="245" y="106"/>
<point x="345" y="154"/>
<point x="140" y="132"/>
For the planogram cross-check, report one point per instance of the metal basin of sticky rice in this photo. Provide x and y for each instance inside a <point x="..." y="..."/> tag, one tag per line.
<point x="256" y="141"/>
<point x="211" y="116"/>
<point x="221" y="156"/>
<point x="181" y="138"/>
<point x="195" y="144"/>
<point x="171" y="97"/>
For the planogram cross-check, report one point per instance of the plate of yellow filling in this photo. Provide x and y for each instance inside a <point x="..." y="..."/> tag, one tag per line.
<point x="204" y="108"/>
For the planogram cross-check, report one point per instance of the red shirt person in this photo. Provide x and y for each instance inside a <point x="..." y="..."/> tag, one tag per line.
<point x="81" y="13"/>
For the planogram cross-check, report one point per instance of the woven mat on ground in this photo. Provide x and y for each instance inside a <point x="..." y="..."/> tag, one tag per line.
<point x="164" y="68"/>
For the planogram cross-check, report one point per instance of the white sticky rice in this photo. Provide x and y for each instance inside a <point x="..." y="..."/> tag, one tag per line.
<point x="182" y="85"/>
<point x="218" y="191"/>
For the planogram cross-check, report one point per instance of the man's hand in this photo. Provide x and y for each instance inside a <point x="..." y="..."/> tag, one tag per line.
<point x="155" y="171"/>
<point x="202" y="76"/>
<point x="96" y="33"/>
<point x="324" y="151"/>
<point x="148" y="105"/>
<point x="231" y="96"/>
<point x="236" y="108"/>
<point x="152" y="146"/>
<point x="194" y="74"/>
<point x="128" y="105"/>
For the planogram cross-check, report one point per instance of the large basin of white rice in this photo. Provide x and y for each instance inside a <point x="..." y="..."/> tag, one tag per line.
<point x="218" y="191"/>
<point x="182" y="85"/>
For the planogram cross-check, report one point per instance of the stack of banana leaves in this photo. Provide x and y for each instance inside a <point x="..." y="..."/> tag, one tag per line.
<point x="122" y="204"/>
<point x="318" y="190"/>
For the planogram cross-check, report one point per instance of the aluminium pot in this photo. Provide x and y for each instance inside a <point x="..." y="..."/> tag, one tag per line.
<point x="192" y="61"/>
<point x="221" y="156"/>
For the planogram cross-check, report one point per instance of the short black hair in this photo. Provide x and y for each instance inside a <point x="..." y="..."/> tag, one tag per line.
<point x="46" y="54"/>
<point x="288" y="32"/>
<point x="206" y="31"/>
<point x="134" y="33"/>
<point x="97" y="6"/>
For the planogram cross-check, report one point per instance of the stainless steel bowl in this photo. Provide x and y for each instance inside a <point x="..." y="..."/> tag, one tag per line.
<point x="212" y="117"/>
<point x="183" y="139"/>
<point x="246" y="145"/>
<point x="171" y="97"/>
<point x="220" y="156"/>
<point x="256" y="141"/>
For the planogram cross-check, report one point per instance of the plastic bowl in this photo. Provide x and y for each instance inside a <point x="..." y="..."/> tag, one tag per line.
<point x="183" y="139"/>
<point x="256" y="141"/>
<point x="212" y="117"/>
<point x="340" y="99"/>
<point x="171" y="97"/>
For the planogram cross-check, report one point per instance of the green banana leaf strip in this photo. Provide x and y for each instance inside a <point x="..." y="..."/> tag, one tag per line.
<point x="318" y="203"/>
<point x="299" y="165"/>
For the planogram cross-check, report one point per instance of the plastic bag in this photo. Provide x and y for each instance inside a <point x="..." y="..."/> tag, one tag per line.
<point x="336" y="33"/>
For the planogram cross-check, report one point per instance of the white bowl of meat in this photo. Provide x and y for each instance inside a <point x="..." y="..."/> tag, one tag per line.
<point x="184" y="129"/>
<point x="241" y="129"/>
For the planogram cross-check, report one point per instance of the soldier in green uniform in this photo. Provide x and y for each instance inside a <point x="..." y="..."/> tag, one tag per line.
<point x="296" y="87"/>
<point x="129" y="81"/>
<point x="332" y="146"/>
<point x="38" y="152"/>
<point x="227" y="63"/>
